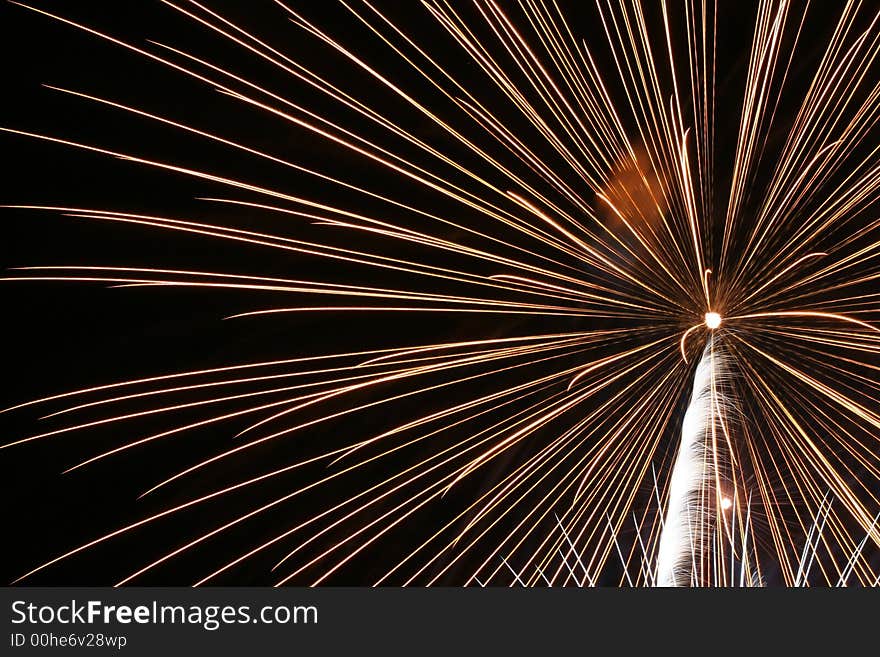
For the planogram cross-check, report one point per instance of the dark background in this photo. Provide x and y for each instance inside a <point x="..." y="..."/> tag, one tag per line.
<point x="61" y="336"/>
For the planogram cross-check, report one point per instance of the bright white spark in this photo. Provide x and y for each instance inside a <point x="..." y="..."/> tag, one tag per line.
<point x="713" y="320"/>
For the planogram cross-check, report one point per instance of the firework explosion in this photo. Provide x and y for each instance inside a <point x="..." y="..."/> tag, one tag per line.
<point x="593" y="232"/>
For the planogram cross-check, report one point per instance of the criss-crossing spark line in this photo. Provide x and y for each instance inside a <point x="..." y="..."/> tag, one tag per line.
<point x="590" y="196"/>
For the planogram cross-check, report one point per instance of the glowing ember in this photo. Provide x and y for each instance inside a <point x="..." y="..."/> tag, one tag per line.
<point x="713" y="320"/>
